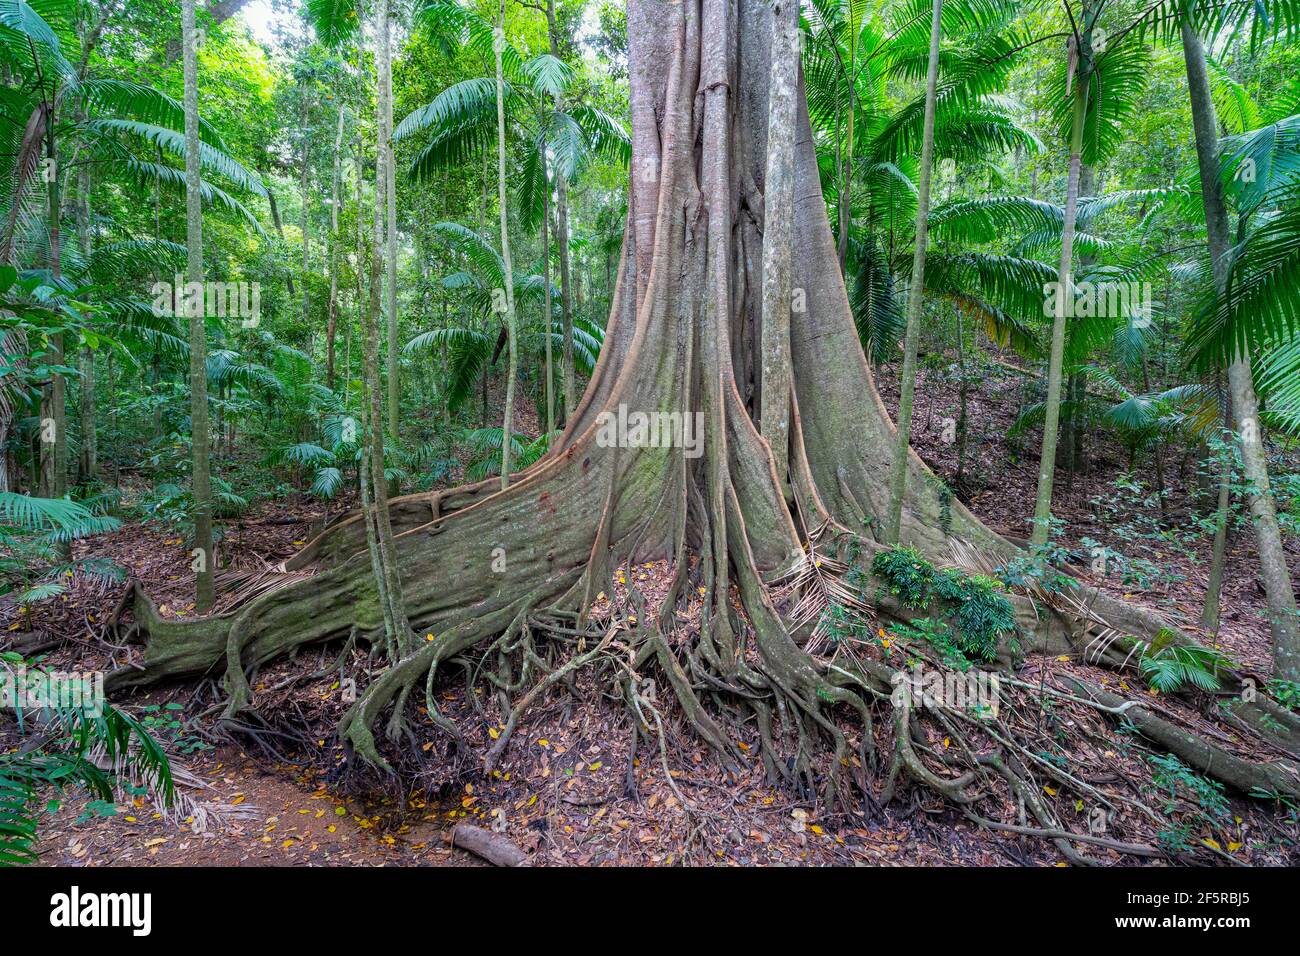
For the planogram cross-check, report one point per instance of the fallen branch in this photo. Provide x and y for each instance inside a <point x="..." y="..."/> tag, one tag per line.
<point x="490" y="846"/>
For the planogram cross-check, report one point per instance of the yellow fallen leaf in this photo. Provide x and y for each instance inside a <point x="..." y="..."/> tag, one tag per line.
<point x="1213" y="844"/>
<point x="1234" y="847"/>
<point x="596" y="766"/>
<point x="156" y="842"/>
<point x="238" y="799"/>
<point x="1049" y="791"/>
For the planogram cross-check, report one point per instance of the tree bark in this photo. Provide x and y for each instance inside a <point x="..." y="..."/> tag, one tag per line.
<point x="778" y="233"/>
<point x="547" y="307"/>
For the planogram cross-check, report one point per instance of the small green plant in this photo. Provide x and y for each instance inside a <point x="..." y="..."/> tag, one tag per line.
<point x="938" y="635"/>
<point x="908" y="574"/>
<point x="1169" y="666"/>
<point x="68" y="748"/>
<point x="164" y="723"/>
<point x="1285" y="692"/>
<point x="1176" y="781"/>
<point x="975" y="605"/>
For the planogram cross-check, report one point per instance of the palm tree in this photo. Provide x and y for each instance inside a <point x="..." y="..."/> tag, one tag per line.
<point x="1284" y="622"/>
<point x="471" y="351"/>
<point x="562" y="142"/>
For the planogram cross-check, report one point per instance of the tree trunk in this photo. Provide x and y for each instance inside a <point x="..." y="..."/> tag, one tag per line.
<point x="547" y="309"/>
<point x="1222" y="518"/>
<point x="1284" y="624"/>
<point x="1064" y="289"/>
<point x="915" y="293"/>
<point x="389" y="194"/>
<point x="396" y="618"/>
<point x="87" y="464"/>
<point x="305" y="193"/>
<point x="53" y="403"/>
<point x="331" y="330"/>
<point x="778" y="233"/>
<point x="508" y="418"/>
<point x="562" y="241"/>
<point x="201" y="490"/>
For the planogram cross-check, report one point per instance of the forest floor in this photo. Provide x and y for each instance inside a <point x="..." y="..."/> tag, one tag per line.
<point x="562" y="789"/>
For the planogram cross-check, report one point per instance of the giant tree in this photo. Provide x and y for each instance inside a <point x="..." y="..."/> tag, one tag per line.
<point x="702" y="492"/>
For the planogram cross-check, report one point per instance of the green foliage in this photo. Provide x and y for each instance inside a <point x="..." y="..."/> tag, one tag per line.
<point x="64" y="754"/>
<point x="1180" y="785"/>
<point x="974" y="604"/>
<point x="1170" y="666"/>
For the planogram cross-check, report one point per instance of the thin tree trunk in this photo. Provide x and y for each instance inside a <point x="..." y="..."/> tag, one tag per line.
<point x="201" y="478"/>
<point x="331" y="330"/>
<point x="963" y="390"/>
<point x="507" y="424"/>
<point x="915" y="293"/>
<point x="1222" y="516"/>
<point x="1065" y="287"/>
<point x="389" y="194"/>
<point x="378" y="486"/>
<point x="562" y="238"/>
<point x="279" y="228"/>
<point x="547" y="310"/>
<point x="778" y="235"/>
<point x="1284" y="625"/>
<point x="306" y="211"/>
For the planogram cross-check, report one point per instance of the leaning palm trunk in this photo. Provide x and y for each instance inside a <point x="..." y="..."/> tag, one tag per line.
<point x="201" y="486"/>
<point x="507" y="271"/>
<point x="1284" y="625"/>
<point x="915" y="292"/>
